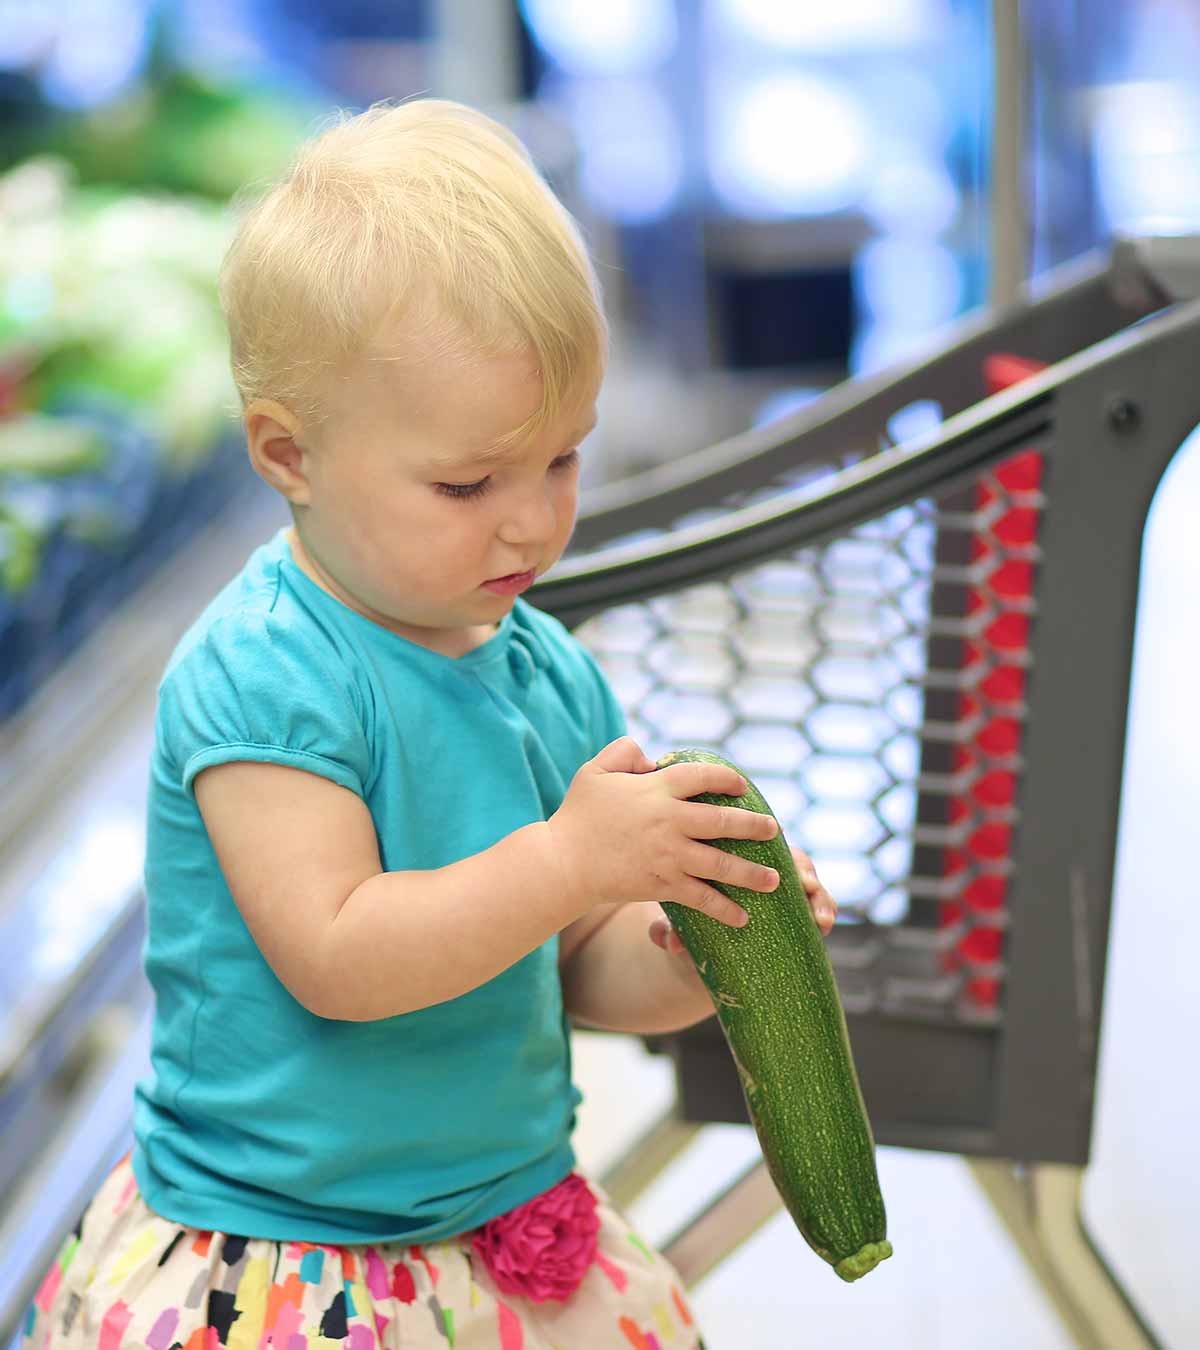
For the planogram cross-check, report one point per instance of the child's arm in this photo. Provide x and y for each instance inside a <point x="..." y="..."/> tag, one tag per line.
<point x="617" y="980"/>
<point x="349" y="940"/>
<point x="613" y="978"/>
<point x="355" y="943"/>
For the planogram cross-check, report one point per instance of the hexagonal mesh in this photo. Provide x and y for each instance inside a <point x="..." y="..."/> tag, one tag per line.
<point x="873" y="689"/>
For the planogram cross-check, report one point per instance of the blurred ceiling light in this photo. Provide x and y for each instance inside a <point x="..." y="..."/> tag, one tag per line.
<point x="99" y="49"/>
<point x="830" y="27"/>
<point x="789" y="145"/>
<point x="630" y="148"/>
<point x="613" y="37"/>
<point x="1147" y="146"/>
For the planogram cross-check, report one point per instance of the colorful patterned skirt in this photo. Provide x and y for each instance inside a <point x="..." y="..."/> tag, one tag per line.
<point x="128" y="1279"/>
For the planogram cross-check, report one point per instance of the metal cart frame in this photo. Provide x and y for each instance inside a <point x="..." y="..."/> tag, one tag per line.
<point x="1016" y="1095"/>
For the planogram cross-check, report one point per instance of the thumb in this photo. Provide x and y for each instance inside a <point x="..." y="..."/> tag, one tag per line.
<point x="623" y="755"/>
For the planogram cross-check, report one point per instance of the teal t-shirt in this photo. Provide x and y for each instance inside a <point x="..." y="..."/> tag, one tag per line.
<point x="258" y="1117"/>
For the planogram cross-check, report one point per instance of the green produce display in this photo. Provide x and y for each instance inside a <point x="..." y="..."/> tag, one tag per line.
<point x="117" y="405"/>
<point x="118" y="412"/>
<point x="177" y="130"/>
<point x="20" y="555"/>
<point x="48" y="446"/>
<point x="112" y="295"/>
<point x="775" y="996"/>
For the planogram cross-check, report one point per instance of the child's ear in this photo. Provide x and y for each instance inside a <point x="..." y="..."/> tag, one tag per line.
<point x="277" y="457"/>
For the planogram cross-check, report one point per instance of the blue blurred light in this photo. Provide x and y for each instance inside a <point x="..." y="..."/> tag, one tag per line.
<point x="879" y="346"/>
<point x="919" y="418"/>
<point x="630" y="147"/>
<point x="911" y="283"/>
<point x="218" y="35"/>
<point x="830" y="27"/>
<point x="911" y="105"/>
<point x="783" y="403"/>
<point x="101" y="47"/>
<point x="792" y="144"/>
<point x="1147" y="145"/>
<point x="603" y="37"/>
<point x="911" y="195"/>
<point x="26" y="32"/>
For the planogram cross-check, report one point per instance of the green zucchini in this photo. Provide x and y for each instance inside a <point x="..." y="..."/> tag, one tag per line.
<point x="775" y="995"/>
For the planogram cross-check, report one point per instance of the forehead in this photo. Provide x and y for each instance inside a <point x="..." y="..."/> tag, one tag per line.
<point x="564" y="432"/>
<point x="460" y="407"/>
<point x="467" y="400"/>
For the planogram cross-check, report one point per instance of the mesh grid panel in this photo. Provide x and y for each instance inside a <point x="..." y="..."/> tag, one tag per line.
<point x="873" y="688"/>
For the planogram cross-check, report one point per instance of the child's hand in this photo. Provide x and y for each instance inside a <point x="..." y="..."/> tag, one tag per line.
<point x="822" y="904"/>
<point x="627" y="831"/>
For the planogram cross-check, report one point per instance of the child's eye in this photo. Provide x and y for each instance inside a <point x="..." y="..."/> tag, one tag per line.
<point x="466" y="491"/>
<point x="463" y="491"/>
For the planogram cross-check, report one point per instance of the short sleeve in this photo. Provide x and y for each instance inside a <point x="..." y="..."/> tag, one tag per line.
<point x="254" y="688"/>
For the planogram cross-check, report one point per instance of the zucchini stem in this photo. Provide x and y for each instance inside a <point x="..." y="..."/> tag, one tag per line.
<point x="867" y="1257"/>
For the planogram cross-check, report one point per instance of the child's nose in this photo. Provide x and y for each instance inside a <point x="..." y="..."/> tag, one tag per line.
<point x="531" y="517"/>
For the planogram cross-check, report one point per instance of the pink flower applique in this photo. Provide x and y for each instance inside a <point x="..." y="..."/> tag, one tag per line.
<point x="542" y="1249"/>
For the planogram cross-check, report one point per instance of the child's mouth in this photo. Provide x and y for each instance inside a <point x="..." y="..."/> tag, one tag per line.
<point x="513" y="584"/>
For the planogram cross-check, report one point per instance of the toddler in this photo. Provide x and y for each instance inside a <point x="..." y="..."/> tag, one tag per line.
<point x="397" y="837"/>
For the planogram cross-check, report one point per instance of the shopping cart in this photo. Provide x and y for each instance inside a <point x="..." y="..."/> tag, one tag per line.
<point x="921" y="653"/>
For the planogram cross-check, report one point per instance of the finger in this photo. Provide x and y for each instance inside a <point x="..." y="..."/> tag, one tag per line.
<point x="623" y="755"/>
<point x="705" y="821"/>
<point x="714" y="864"/>
<point x="707" y="900"/>
<point x="824" y="908"/>
<point x="819" y="898"/>
<point x="637" y="759"/>
<point x="800" y="858"/>
<point x="663" y="935"/>
<point x="825" y="916"/>
<point x="806" y="871"/>
<point x="692" y="779"/>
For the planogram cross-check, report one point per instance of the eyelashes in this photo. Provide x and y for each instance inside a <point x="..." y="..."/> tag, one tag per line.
<point x="472" y="491"/>
<point x="463" y="491"/>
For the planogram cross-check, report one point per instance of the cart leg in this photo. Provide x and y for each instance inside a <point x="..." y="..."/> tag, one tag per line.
<point x="649" y="1155"/>
<point x="735" y="1215"/>
<point x="1039" y="1205"/>
<point x="726" y="1222"/>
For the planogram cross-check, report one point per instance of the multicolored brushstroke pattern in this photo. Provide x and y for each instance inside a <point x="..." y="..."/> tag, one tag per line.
<point x="128" y="1279"/>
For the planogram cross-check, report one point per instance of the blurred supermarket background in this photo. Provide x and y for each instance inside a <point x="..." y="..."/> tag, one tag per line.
<point x="779" y="196"/>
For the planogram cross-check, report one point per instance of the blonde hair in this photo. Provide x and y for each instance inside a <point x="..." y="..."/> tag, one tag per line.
<point x="427" y="211"/>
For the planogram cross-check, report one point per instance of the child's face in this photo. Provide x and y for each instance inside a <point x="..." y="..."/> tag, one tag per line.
<point x="404" y="521"/>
